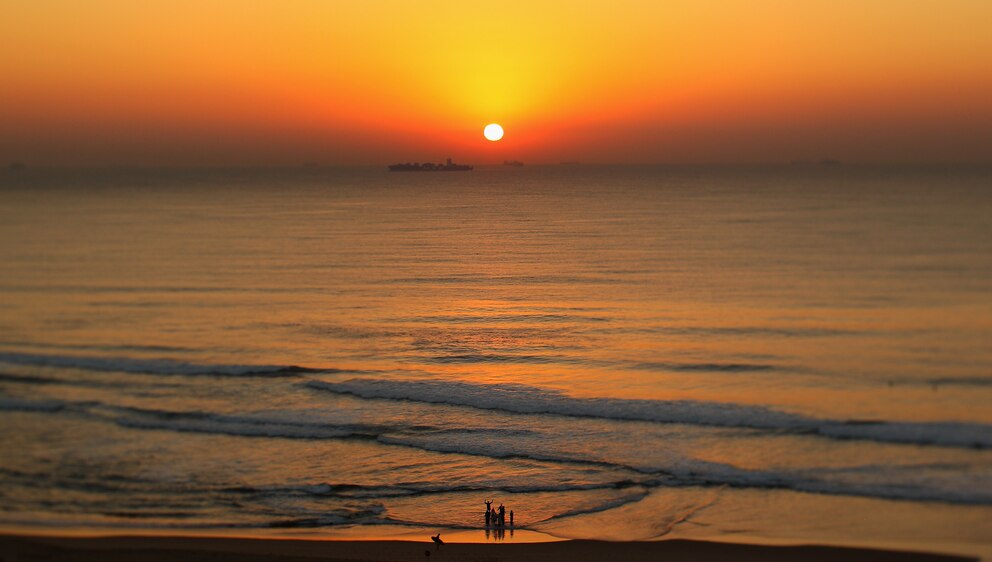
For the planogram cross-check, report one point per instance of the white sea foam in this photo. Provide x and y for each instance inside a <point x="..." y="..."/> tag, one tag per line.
<point x="524" y="399"/>
<point x="892" y="482"/>
<point x="922" y="482"/>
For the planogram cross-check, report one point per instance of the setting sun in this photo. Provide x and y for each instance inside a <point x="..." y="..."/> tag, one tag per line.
<point x="493" y="132"/>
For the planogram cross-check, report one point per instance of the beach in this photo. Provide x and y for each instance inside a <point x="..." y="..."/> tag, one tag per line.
<point x="163" y="549"/>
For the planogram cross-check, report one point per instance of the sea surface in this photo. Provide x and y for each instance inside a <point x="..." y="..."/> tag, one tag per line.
<point x="793" y="354"/>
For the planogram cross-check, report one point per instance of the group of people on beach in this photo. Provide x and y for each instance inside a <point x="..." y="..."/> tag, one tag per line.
<point x="496" y="517"/>
<point x="495" y="522"/>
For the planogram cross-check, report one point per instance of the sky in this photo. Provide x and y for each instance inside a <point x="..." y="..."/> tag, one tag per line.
<point x="186" y="82"/>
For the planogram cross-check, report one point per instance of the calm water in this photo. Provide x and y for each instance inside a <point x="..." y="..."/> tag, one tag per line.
<point x="798" y="354"/>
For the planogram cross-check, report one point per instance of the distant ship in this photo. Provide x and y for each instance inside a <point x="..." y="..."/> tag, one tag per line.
<point x="449" y="166"/>
<point x="517" y="163"/>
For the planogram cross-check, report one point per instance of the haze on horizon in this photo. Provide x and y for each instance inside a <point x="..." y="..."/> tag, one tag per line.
<point x="184" y="82"/>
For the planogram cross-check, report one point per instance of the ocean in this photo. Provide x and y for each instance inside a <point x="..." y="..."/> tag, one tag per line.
<point x="785" y="354"/>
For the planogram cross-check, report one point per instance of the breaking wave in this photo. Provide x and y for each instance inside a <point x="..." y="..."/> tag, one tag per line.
<point x="911" y="482"/>
<point x="522" y="399"/>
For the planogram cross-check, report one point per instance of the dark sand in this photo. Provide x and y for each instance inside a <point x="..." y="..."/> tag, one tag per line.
<point x="20" y="548"/>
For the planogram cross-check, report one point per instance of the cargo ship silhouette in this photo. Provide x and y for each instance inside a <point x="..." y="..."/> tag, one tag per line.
<point x="449" y="166"/>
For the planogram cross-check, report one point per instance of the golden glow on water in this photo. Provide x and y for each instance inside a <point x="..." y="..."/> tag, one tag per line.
<point x="519" y="284"/>
<point x="537" y="309"/>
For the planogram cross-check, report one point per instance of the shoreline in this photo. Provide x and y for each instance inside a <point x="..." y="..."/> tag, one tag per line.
<point x="161" y="548"/>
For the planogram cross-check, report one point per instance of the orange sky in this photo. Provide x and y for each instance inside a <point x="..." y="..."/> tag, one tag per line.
<point x="237" y="82"/>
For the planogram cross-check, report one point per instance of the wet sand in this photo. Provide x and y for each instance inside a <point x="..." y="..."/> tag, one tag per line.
<point x="188" y="549"/>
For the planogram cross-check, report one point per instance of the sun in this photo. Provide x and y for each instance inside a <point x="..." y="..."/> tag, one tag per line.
<point x="493" y="132"/>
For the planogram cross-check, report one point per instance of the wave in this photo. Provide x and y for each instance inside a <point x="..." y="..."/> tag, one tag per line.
<point x="265" y="424"/>
<point x="365" y="515"/>
<point x="4" y="377"/>
<point x="889" y="482"/>
<point x="606" y="506"/>
<point x="133" y="519"/>
<point x="42" y="381"/>
<point x="358" y="491"/>
<point x="523" y="399"/>
<point x="98" y="347"/>
<point x="236" y="426"/>
<point x="22" y="405"/>
<point x="154" y="366"/>
<point x="292" y="424"/>
<point x="961" y="381"/>
<point x="913" y="482"/>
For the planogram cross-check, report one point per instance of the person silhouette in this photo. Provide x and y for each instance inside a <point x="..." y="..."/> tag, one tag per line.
<point x="511" y="517"/>
<point x="502" y="515"/>
<point x="437" y="541"/>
